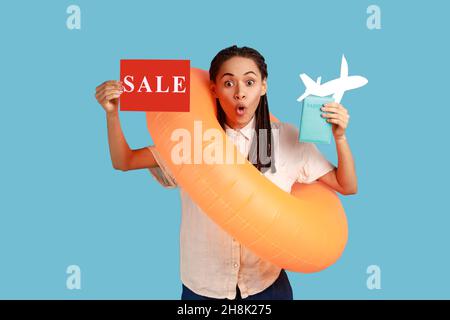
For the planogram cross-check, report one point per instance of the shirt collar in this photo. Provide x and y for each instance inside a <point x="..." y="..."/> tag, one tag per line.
<point x="246" y="131"/>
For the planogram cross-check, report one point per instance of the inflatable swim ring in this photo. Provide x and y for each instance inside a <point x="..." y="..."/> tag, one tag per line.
<point x="305" y="231"/>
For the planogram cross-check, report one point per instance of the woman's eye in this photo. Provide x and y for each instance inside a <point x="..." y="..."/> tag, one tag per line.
<point x="250" y="82"/>
<point x="228" y="83"/>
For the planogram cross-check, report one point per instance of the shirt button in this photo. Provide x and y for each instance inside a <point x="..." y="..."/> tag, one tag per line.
<point x="236" y="265"/>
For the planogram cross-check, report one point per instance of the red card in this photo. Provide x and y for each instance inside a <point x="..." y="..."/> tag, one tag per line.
<point x="155" y="85"/>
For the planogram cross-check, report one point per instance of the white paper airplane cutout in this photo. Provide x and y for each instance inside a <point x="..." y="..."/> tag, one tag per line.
<point x="336" y="87"/>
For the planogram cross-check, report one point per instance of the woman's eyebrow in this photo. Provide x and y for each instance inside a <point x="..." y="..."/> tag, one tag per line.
<point x="230" y="74"/>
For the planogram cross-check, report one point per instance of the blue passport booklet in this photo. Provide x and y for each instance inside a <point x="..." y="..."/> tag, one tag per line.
<point x="313" y="127"/>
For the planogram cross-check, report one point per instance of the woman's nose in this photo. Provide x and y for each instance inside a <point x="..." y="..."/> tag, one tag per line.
<point x="239" y="94"/>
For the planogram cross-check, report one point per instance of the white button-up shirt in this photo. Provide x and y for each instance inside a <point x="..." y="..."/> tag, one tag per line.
<point x="212" y="263"/>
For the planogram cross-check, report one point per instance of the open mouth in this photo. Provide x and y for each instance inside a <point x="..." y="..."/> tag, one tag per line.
<point x="240" y="109"/>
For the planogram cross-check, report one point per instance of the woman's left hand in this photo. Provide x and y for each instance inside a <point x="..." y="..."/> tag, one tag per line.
<point x="338" y="116"/>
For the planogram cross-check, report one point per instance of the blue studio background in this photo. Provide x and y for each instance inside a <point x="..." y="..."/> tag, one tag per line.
<point x="63" y="204"/>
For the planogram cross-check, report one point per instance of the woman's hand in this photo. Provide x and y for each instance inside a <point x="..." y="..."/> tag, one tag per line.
<point x="108" y="93"/>
<point x="338" y="116"/>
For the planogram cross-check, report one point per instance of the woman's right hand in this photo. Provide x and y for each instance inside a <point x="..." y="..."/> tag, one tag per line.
<point x="107" y="95"/>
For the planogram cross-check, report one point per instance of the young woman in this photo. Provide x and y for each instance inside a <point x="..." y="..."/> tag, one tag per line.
<point x="213" y="264"/>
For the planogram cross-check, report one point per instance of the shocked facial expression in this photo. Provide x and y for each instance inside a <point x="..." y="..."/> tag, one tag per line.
<point x="239" y="88"/>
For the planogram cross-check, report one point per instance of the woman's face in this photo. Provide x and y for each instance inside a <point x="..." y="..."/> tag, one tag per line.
<point x="239" y="87"/>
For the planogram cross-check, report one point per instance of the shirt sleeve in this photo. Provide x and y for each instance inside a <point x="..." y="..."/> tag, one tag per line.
<point x="161" y="173"/>
<point x="314" y="164"/>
